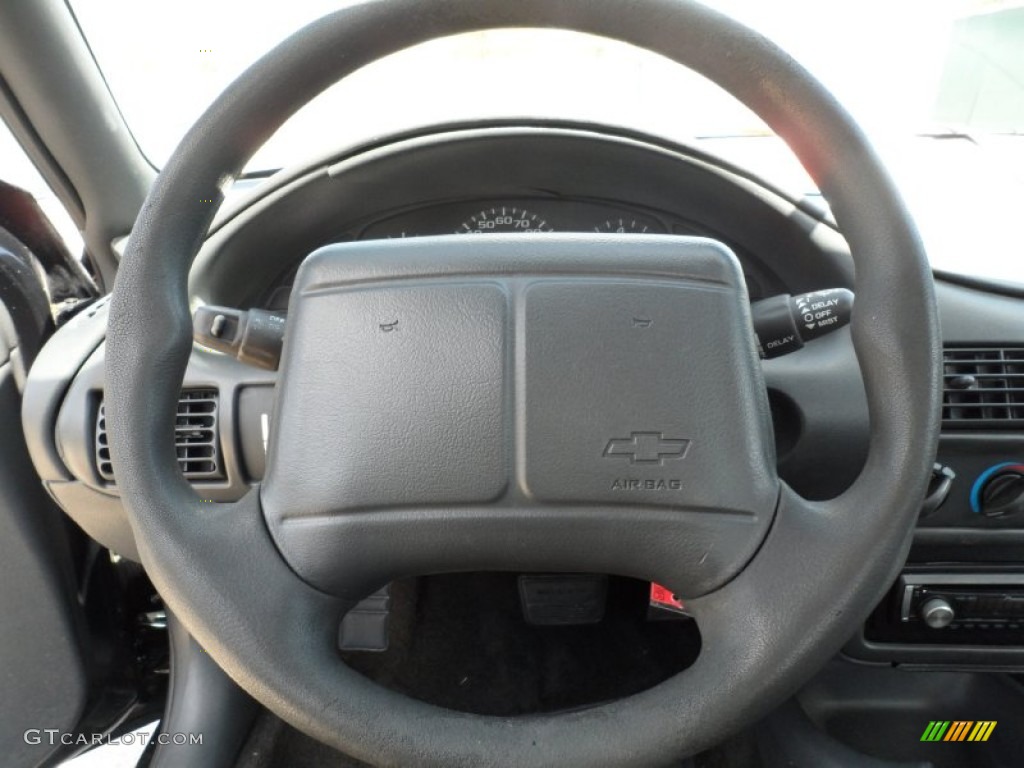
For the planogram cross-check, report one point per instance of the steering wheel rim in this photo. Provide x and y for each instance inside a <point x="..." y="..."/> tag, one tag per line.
<point x="765" y="631"/>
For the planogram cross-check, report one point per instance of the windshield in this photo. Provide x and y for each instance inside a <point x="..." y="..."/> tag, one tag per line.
<point x="938" y="84"/>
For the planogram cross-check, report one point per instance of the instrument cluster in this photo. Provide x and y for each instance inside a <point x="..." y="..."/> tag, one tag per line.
<point x="510" y="216"/>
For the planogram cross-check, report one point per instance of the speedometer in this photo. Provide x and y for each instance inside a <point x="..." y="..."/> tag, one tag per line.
<point x="503" y="219"/>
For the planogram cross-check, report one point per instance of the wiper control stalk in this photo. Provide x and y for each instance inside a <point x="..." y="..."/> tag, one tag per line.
<point x="785" y="323"/>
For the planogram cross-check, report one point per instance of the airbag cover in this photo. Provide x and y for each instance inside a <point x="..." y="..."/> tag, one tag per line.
<point x="489" y="382"/>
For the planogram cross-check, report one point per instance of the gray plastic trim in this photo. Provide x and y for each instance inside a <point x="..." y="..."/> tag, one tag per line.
<point x="64" y="113"/>
<point x="59" y="417"/>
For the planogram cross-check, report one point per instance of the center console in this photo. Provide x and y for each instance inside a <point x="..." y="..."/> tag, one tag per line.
<point x="960" y="598"/>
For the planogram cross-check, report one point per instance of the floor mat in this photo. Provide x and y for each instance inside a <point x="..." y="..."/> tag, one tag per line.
<point x="460" y="641"/>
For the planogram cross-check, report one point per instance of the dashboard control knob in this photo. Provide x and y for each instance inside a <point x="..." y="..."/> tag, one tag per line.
<point x="1003" y="493"/>
<point x="937" y="613"/>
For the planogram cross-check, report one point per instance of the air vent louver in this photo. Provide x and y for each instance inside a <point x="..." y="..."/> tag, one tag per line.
<point x="983" y="388"/>
<point x="195" y="437"/>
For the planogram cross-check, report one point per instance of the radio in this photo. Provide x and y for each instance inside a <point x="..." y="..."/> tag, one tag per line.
<point x="968" y="601"/>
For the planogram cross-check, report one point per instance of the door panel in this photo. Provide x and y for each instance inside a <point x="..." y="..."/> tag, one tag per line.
<point x="44" y="677"/>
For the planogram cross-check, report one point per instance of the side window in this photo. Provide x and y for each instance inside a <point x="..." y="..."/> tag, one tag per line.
<point x="17" y="169"/>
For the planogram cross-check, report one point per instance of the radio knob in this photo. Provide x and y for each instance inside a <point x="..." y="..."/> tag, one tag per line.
<point x="937" y="613"/>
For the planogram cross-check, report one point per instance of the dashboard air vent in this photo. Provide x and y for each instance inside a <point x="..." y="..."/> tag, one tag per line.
<point x="983" y="388"/>
<point x="195" y="437"/>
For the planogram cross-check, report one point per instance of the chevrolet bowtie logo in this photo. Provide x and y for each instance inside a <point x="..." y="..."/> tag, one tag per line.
<point x="646" y="448"/>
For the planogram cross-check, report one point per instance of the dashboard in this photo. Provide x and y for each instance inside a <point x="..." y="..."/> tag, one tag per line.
<point x="535" y="178"/>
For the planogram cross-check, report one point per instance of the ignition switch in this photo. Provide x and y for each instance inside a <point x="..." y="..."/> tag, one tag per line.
<point x="785" y="323"/>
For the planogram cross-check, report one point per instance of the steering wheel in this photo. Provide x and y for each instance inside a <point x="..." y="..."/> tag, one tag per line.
<point x="559" y="403"/>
